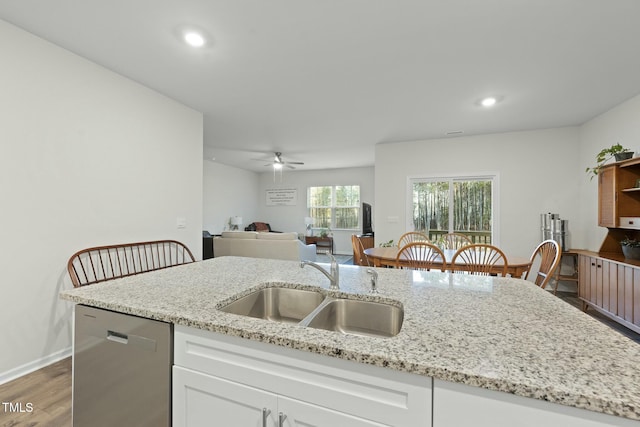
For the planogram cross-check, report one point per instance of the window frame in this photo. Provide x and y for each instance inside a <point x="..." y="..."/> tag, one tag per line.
<point x="333" y="206"/>
<point x="494" y="177"/>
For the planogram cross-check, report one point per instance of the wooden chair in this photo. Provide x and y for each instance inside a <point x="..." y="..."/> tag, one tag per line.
<point x="421" y="256"/>
<point x="549" y="253"/>
<point x="455" y="241"/>
<point x="480" y="259"/>
<point x="412" y="236"/>
<point x="359" y="257"/>
<point x="102" y="263"/>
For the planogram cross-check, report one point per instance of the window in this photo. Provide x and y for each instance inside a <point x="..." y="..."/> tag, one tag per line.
<point x="334" y="207"/>
<point x="457" y="204"/>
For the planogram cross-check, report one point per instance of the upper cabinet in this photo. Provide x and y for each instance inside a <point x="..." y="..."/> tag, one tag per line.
<point x="619" y="195"/>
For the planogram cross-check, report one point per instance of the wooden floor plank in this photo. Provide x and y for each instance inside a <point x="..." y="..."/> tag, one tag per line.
<point x="48" y="391"/>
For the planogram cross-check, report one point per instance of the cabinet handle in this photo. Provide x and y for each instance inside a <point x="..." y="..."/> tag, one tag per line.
<point x="592" y="264"/>
<point x="281" y="418"/>
<point x="265" y="415"/>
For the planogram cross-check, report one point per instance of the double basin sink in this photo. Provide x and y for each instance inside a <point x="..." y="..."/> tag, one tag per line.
<point x="313" y="309"/>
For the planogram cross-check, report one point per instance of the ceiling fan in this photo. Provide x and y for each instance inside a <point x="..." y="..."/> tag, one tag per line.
<point x="278" y="163"/>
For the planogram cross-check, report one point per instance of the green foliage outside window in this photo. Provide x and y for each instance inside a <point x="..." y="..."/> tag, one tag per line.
<point x="334" y="207"/>
<point x="468" y="201"/>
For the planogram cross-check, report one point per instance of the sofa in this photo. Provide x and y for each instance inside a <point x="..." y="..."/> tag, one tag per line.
<point x="263" y="245"/>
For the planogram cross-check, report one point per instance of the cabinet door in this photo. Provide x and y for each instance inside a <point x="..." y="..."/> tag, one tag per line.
<point x="607" y="197"/>
<point x="584" y="276"/>
<point x="299" y="414"/>
<point x="596" y="279"/>
<point x="204" y="400"/>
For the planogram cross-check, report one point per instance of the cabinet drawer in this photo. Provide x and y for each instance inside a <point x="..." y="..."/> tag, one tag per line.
<point x="395" y="398"/>
<point x="632" y="222"/>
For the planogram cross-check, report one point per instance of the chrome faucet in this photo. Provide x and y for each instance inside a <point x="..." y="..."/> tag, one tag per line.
<point x="333" y="276"/>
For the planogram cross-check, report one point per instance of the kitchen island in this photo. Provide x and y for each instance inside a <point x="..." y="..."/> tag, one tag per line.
<point x="499" y="344"/>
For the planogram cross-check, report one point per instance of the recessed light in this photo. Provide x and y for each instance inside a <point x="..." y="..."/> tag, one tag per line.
<point x="194" y="39"/>
<point x="488" y="102"/>
<point x="193" y="35"/>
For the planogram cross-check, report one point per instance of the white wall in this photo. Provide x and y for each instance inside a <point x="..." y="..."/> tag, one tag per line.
<point x="88" y="158"/>
<point x="538" y="171"/>
<point x="618" y="125"/>
<point x="228" y="192"/>
<point x="291" y="218"/>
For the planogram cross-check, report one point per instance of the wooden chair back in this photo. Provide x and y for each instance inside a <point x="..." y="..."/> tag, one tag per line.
<point x="421" y="256"/>
<point x="102" y="263"/>
<point x="412" y="236"/>
<point x="359" y="257"/>
<point x="480" y="259"/>
<point x="455" y="241"/>
<point x="549" y="253"/>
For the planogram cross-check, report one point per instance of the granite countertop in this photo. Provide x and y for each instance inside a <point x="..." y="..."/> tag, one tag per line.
<point x="496" y="333"/>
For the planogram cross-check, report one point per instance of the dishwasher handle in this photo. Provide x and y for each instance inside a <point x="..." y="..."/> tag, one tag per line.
<point x="117" y="337"/>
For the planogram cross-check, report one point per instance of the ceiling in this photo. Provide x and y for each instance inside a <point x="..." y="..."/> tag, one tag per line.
<point x="323" y="81"/>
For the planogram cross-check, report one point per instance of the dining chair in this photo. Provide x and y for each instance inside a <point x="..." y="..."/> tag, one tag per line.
<point x="549" y="253"/>
<point x="480" y="259"/>
<point x="455" y="241"/>
<point x="421" y="256"/>
<point x="412" y="236"/>
<point x="359" y="257"/>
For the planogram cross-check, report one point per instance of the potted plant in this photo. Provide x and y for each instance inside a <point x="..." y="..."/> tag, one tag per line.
<point x="324" y="233"/>
<point x="630" y="248"/>
<point x="386" y="244"/>
<point x="616" y="150"/>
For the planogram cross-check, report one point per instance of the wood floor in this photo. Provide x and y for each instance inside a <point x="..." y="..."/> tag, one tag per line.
<point x="49" y="389"/>
<point x="47" y="392"/>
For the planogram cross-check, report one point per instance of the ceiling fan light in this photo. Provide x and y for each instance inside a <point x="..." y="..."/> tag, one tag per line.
<point x="277" y="166"/>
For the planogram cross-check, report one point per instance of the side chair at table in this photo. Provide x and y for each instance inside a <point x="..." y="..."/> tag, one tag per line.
<point x="549" y="253"/>
<point x="360" y="258"/>
<point x="421" y="256"/>
<point x="480" y="259"/>
<point x="412" y="236"/>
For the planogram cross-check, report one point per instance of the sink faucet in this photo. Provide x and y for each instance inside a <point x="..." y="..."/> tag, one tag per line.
<point x="333" y="276"/>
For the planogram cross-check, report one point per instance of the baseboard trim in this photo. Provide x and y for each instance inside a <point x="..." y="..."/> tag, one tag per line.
<point x="27" y="368"/>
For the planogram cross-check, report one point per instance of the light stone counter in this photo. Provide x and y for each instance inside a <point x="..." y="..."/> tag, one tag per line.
<point x="499" y="334"/>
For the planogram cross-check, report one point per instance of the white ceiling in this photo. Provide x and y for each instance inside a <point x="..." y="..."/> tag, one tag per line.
<point x="323" y="81"/>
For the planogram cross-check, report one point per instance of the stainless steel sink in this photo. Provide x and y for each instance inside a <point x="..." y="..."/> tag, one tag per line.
<point x="312" y="309"/>
<point x="278" y="304"/>
<point x="357" y="317"/>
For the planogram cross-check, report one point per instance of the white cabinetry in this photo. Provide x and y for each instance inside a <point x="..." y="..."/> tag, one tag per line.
<point x="224" y="380"/>
<point x="205" y="400"/>
<point x="456" y="405"/>
<point x="214" y="401"/>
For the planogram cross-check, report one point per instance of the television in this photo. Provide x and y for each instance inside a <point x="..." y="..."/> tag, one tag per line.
<point x="367" y="225"/>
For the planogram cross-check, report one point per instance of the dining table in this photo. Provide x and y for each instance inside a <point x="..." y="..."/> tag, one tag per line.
<point x="385" y="256"/>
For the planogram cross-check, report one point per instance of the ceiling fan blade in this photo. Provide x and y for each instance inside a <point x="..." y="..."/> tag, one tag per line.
<point x="289" y="166"/>
<point x="294" y="163"/>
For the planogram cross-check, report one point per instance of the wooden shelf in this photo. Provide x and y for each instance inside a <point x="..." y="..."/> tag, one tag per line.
<point x="629" y="162"/>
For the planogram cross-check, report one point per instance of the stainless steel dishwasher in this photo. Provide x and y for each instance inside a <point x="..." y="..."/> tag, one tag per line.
<point x="121" y="370"/>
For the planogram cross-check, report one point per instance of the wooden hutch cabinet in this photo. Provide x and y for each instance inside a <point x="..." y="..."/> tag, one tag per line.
<point x="611" y="285"/>
<point x="619" y="195"/>
<point x="608" y="282"/>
